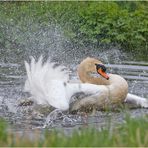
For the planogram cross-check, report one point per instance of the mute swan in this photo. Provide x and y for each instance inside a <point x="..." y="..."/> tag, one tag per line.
<point x="50" y="85"/>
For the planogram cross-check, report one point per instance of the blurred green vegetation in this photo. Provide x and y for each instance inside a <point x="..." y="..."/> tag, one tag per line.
<point x="133" y="133"/>
<point x="3" y="134"/>
<point x="119" y="23"/>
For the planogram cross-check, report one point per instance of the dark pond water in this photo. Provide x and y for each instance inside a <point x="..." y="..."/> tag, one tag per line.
<point x="19" y="46"/>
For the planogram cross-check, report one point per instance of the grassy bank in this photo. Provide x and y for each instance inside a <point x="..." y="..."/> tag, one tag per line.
<point x="122" y="24"/>
<point x="132" y="133"/>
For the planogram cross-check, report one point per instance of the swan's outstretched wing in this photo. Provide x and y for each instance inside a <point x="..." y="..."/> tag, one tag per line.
<point x="45" y="82"/>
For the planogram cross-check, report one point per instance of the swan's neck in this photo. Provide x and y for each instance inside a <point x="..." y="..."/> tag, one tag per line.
<point x="87" y="68"/>
<point x="118" y="88"/>
<point x="86" y="77"/>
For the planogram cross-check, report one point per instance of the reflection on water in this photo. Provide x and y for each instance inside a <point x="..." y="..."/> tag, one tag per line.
<point x="49" y="42"/>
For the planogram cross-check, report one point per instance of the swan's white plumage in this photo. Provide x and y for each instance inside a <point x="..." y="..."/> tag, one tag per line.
<point x="46" y="84"/>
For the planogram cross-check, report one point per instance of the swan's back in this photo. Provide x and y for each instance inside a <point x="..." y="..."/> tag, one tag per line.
<point x="46" y="82"/>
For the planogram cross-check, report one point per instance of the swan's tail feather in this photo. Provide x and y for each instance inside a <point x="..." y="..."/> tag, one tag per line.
<point x="40" y="77"/>
<point x="136" y="100"/>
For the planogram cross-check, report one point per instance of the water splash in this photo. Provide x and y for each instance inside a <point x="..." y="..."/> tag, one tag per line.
<point x="52" y="117"/>
<point x="56" y="115"/>
<point x="69" y="122"/>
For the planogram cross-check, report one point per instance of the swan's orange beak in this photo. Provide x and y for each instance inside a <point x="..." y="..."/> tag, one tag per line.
<point x="103" y="74"/>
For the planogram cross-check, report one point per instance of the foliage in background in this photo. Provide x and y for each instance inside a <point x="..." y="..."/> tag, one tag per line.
<point x="87" y="23"/>
<point x="133" y="133"/>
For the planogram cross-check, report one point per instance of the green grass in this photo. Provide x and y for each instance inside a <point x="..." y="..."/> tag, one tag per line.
<point x="133" y="133"/>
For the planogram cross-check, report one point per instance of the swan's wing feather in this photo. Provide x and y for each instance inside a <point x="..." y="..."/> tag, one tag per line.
<point x="45" y="83"/>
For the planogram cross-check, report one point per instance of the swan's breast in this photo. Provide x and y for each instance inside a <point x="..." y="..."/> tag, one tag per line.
<point x="118" y="88"/>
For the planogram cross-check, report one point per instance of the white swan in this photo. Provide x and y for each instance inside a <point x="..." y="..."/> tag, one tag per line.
<point x="50" y="85"/>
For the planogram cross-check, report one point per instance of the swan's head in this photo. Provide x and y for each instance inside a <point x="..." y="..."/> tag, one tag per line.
<point x="93" y="71"/>
<point x="101" y="69"/>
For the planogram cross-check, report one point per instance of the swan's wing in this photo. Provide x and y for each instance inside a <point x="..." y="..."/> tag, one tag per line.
<point x="45" y="83"/>
<point x="86" y="95"/>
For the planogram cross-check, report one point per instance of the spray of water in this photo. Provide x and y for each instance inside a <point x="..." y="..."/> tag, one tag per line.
<point x="59" y="115"/>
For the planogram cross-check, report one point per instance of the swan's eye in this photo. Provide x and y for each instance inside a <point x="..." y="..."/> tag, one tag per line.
<point x="101" y="70"/>
<point x="98" y="66"/>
